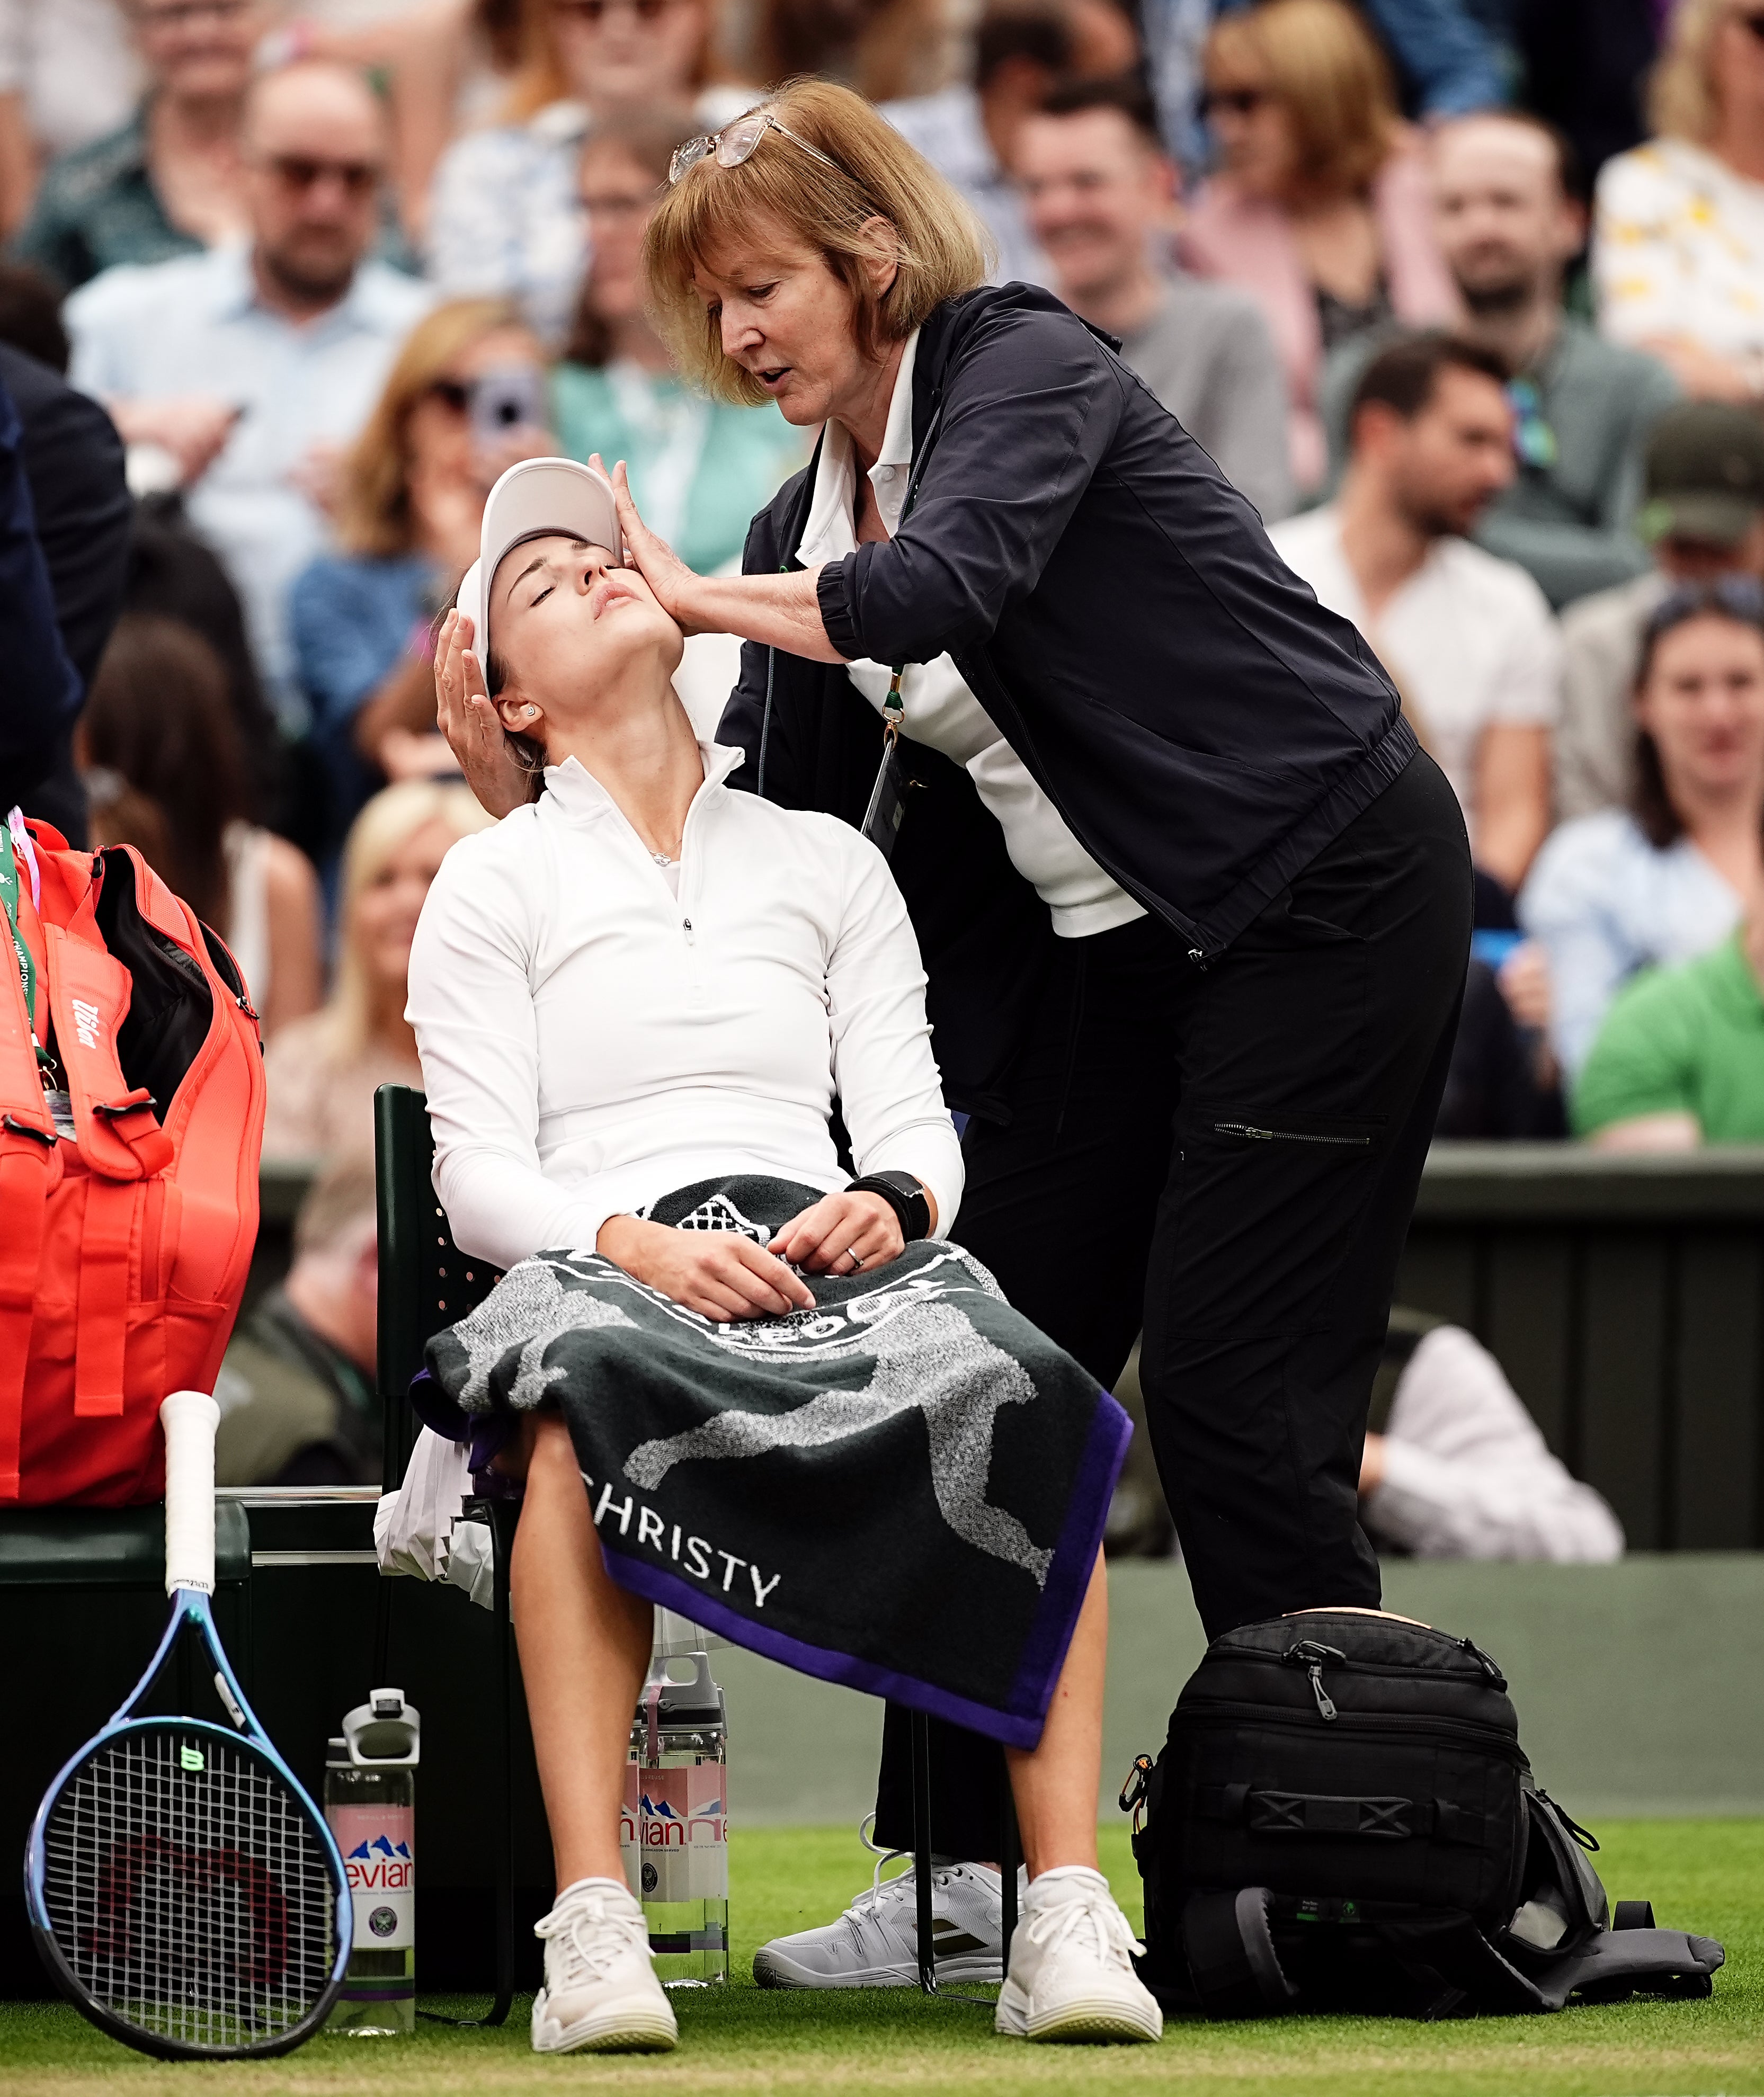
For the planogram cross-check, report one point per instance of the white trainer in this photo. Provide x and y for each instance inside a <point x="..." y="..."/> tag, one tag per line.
<point x="601" y="1994"/>
<point x="874" y="1944"/>
<point x="1071" y="1980"/>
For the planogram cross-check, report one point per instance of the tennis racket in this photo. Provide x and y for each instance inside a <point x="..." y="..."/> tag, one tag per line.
<point x="183" y="1889"/>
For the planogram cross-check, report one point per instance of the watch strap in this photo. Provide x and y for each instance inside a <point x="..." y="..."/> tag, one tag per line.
<point x="904" y="1195"/>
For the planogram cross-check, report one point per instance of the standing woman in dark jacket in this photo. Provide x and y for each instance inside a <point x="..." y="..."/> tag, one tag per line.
<point x="1193" y="904"/>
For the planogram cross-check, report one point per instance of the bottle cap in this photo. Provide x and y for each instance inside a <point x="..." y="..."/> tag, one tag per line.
<point x="383" y="1733"/>
<point x="336" y="1753"/>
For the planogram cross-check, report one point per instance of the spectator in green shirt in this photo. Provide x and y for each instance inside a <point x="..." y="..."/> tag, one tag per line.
<point x="1680" y="1058"/>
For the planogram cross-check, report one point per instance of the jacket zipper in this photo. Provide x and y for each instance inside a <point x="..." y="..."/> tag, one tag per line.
<point x="1288" y="1135"/>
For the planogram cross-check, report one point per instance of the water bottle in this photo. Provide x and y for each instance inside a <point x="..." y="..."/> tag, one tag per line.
<point x="370" y="1802"/>
<point x="674" y="1832"/>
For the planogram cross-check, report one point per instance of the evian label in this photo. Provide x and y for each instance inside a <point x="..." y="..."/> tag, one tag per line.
<point x="674" y="1832"/>
<point x="378" y="1846"/>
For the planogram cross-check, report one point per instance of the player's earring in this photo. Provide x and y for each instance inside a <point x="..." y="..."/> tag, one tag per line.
<point x="531" y="712"/>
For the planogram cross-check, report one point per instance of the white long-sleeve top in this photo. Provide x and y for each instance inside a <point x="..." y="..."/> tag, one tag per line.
<point x="591" y="1041"/>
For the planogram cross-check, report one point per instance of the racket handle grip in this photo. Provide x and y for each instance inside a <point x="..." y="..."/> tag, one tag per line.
<point x="189" y="1419"/>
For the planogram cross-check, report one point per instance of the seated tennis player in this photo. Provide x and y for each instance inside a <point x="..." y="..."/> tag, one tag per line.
<point x="740" y="1381"/>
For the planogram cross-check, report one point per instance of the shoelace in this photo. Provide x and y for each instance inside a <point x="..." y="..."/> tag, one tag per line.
<point x="617" y="1932"/>
<point x="868" y="1907"/>
<point x="1093" y="1914"/>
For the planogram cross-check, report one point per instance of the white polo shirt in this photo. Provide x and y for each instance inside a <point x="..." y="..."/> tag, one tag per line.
<point x="941" y="711"/>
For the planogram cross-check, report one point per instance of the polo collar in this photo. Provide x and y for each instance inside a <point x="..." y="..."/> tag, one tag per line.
<point x="828" y="534"/>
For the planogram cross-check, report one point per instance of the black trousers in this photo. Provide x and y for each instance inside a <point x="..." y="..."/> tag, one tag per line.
<point x="1227" y="1160"/>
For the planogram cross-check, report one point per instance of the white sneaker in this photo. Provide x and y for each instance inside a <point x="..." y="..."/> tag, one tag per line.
<point x="601" y="1994"/>
<point x="874" y="1944"/>
<point x="1071" y="1979"/>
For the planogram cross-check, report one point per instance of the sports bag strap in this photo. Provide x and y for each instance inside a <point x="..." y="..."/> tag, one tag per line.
<point x="29" y="1166"/>
<point x="1619" y="1963"/>
<point x="100" y="1342"/>
<point x="1458" y="1970"/>
<point x="114" y="1123"/>
<point x="1232" y="1959"/>
<point x="121" y="1142"/>
<point x="1318" y="1813"/>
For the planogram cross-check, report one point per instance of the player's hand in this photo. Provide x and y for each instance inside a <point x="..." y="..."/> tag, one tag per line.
<point x="841" y="1233"/>
<point x="721" y="1275"/>
<point x="464" y="715"/>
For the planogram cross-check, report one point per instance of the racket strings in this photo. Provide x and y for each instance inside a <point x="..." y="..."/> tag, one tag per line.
<point x="188" y="1891"/>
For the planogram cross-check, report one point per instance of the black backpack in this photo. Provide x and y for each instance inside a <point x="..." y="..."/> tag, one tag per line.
<point x="1342" y="1819"/>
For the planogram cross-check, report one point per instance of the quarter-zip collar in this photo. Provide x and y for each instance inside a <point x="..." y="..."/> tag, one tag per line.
<point x="582" y="798"/>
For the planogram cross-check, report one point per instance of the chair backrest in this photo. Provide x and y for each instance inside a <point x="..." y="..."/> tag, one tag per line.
<point x="425" y="1280"/>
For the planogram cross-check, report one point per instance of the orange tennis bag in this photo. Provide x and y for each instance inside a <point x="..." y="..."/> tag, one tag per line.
<point x="131" y="1118"/>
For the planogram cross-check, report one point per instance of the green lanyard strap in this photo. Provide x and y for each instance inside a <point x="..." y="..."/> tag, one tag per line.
<point x="9" y="896"/>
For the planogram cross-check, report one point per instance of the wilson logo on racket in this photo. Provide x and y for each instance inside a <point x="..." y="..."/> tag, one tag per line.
<point x="190" y="1920"/>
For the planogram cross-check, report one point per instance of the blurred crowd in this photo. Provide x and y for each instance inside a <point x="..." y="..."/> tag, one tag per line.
<point x="1466" y="295"/>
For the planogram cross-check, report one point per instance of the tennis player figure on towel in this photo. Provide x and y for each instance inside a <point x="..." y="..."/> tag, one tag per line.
<point x="639" y="983"/>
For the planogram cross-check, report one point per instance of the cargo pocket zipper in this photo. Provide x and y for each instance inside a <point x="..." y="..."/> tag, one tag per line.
<point x="1289" y="1135"/>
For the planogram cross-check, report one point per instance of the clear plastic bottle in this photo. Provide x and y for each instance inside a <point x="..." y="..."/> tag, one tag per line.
<point x="674" y="1831"/>
<point x="370" y="1799"/>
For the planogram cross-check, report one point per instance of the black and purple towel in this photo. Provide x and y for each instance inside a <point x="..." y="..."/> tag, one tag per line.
<point x="902" y="1490"/>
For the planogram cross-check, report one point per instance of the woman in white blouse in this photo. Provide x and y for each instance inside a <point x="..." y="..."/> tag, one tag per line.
<point x="639" y="981"/>
<point x="1679" y="236"/>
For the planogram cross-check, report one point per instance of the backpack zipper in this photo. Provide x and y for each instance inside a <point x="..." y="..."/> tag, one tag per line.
<point x="1489" y="1672"/>
<point x="1485" y="1737"/>
<point x="1309" y="1656"/>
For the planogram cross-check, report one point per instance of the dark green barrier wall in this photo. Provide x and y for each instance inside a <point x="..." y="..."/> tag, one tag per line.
<point x="1622" y="1297"/>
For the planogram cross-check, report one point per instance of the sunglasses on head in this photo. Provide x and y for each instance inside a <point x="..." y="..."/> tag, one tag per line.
<point x="735" y="142"/>
<point x="1233" y="101"/>
<point x="1728" y="597"/>
<point x="297" y="171"/>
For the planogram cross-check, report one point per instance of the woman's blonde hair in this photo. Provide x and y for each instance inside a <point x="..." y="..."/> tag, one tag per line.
<point x="389" y="821"/>
<point x="1324" y="67"/>
<point x="1681" y="89"/>
<point x="942" y="248"/>
<point x="374" y="513"/>
<point x="540" y="79"/>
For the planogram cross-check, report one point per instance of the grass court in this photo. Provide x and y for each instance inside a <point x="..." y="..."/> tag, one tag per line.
<point x="1704" y="1875"/>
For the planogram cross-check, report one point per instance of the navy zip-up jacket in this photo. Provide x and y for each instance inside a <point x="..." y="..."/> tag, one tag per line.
<point x="1202" y="724"/>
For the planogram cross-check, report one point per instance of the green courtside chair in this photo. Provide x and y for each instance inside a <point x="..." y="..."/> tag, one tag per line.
<point x="425" y="1282"/>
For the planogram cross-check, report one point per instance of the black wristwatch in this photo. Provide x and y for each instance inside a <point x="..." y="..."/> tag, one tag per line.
<point x="904" y="1195"/>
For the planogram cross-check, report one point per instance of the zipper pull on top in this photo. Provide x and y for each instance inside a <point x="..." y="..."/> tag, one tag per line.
<point x="1312" y="1657"/>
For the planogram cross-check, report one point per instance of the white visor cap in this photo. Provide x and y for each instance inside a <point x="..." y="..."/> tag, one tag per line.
<point x="533" y="500"/>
